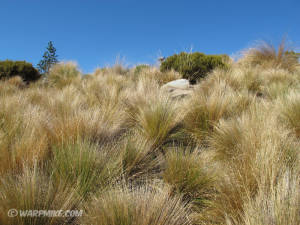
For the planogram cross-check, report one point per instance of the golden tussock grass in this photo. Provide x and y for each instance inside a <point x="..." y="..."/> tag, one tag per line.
<point x="140" y="205"/>
<point x="115" y="145"/>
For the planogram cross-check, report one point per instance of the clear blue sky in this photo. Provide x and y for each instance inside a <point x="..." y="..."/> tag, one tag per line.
<point x="93" y="33"/>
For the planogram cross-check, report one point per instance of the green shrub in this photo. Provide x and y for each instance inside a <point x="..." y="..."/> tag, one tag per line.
<point x="25" y="70"/>
<point x="193" y="66"/>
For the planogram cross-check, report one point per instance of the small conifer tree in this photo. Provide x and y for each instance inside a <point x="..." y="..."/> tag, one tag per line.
<point x="49" y="59"/>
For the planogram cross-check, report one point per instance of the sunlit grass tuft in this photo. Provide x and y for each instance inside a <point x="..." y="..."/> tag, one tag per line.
<point x="268" y="56"/>
<point x="85" y="165"/>
<point x="291" y="111"/>
<point x="140" y="205"/>
<point x="188" y="175"/>
<point x="158" y="120"/>
<point x="64" y="74"/>
<point x="33" y="190"/>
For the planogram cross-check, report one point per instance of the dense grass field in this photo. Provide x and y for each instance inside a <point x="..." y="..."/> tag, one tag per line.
<point x="117" y="146"/>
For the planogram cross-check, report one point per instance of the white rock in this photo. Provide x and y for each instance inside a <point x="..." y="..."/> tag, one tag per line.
<point x="177" y="84"/>
<point x="178" y="88"/>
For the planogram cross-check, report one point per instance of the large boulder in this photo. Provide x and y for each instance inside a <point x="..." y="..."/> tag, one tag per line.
<point x="178" y="88"/>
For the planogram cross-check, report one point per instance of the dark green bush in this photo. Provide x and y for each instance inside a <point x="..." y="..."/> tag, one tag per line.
<point x="23" y="69"/>
<point x="193" y="66"/>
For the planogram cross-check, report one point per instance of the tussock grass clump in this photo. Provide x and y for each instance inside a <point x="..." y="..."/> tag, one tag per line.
<point x="264" y="83"/>
<point x="82" y="164"/>
<point x="16" y="81"/>
<point x="188" y="175"/>
<point x="139" y="160"/>
<point x="155" y="74"/>
<point x="63" y="74"/>
<point x="119" y="68"/>
<point x="71" y="117"/>
<point x="21" y="136"/>
<point x="139" y="68"/>
<point x="32" y="190"/>
<point x="157" y="121"/>
<point x="280" y="205"/>
<point x="255" y="152"/>
<point x="207" y="107"/>
<point x="141" y="205"/>
<point x="268" y="56"/>
<point x="291" y="111"/>
<point x="248" y="136"/>
<point x="202" y="113"/>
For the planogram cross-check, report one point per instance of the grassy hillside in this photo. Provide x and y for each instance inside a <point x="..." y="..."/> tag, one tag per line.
<point x="117" y="146"/>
